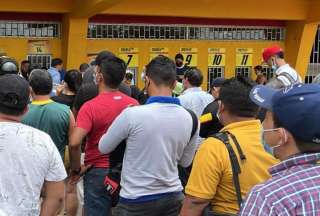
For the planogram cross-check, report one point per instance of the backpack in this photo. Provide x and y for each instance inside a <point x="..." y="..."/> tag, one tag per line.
<point x="184" y="172"/>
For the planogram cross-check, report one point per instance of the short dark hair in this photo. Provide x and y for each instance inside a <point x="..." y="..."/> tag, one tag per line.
<point x="25" y="62"/>
<point x="40" y="82"/>
<point x="113" y="70"/>
<point x="234" y="94"/>
<point x="280" y="55"/>
<point x="258" y="67"/>
<point x="304" y="147"/>
<point x="85" y="93"/>
<point x="179" y="56"/>
<point x="73" y="78"/>
<point x="129" y="76"/>
<point x="83" y="67"/>
<point x="56" y="61"/>
<point x="162" y="71"/>
<point x="194" y="77"/>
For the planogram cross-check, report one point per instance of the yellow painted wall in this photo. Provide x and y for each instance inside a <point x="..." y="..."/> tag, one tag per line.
<point x="18" y="47"/>
<point x="94" y="46"/>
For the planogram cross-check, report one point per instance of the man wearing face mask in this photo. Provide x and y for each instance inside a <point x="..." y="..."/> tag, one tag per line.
<point x="93" y="120"/>
<point x="211" y="182"/>
<point x="274" y="57"/>
<point x="291" y="128"/>
<point x="181" y="67"/>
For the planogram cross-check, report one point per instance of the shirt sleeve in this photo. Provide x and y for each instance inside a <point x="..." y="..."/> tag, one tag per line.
<point x="207" y="169"/>
<point x="85" y="118"/>
<point x="117" y="132"/>
<point x="56" y="171"/>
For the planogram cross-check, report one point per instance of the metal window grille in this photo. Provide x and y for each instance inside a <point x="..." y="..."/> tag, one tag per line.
<point x="314" y="65"/>
<point x="243" y="71"/>
<point x="184" y="32"/>
<point x="40" y="60"/>
<point x="268" y="72"/>
<point x="30" y="29"/>
<point x="213" y="73"/>
<point x="134" y="71"/>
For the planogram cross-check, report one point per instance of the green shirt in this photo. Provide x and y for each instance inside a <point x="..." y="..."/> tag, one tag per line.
<point x="52" y="118"/>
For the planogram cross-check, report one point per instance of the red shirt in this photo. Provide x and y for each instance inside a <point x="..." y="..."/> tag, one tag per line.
<point x="96" y="116"/>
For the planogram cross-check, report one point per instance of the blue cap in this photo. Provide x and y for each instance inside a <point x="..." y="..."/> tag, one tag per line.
<point x="297" y="108"/>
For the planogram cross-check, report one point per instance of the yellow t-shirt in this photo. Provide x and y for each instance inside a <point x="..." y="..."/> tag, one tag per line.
<point x="211" y="175"/>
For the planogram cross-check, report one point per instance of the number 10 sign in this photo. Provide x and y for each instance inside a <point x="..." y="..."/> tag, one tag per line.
<point x="216" y="57"/>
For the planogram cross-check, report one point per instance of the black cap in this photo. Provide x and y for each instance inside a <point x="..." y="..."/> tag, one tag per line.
<point x="8" y="66"/>
<point x="14" y="91"/>
<point x="102" y="56"/>
<point x="217" y="82"/>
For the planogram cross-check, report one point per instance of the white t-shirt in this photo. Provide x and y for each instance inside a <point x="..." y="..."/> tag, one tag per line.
<point x="28" y="157"/>
<point x="196" y="100"/>
<point x="158" y="139"/>
<point x="285" y="71"/>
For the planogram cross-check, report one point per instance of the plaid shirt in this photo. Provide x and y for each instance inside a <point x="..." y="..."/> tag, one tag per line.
<point x="294" y="189"/>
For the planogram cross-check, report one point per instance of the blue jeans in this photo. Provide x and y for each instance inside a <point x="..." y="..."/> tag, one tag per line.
<point x="96" y="199"/>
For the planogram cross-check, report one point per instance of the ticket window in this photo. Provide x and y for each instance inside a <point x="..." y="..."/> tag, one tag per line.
<point x="213" y="73"/>
<point x="309" y="79"/>
<point x="243" y="71"/>
<point x="244" y="62"/>
<point x="132" y="61"/>
<point x="42" y="61"/>
<point x="134" y="70"/>
<point x="216" y="64"/>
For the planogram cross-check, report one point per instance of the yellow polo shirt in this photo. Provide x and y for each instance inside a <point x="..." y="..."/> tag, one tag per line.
<point x="211" y="175"/>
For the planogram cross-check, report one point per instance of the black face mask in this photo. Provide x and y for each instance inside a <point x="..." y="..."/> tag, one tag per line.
<point x="179" y="64"/>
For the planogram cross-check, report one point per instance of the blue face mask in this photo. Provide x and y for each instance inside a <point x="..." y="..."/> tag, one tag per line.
<point x="274" y="66"/>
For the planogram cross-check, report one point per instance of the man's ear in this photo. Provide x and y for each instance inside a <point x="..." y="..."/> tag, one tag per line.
<point x="221" y="106"/>
<point x="26" y="109"/>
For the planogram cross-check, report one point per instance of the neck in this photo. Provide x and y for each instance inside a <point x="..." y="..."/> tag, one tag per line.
<point x="286" y="150"/>
<point x="103" y="88"/>
<point x="66" y="91"/>
<point x="161" y="91"/>
<point x="281" y="62"/>
<point x="40" y="97"/>
<point x="9" y="118"/>
<point x="234" y="119"/>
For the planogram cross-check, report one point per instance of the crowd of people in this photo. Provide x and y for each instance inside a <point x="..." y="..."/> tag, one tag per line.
<point x="89" y="142"/>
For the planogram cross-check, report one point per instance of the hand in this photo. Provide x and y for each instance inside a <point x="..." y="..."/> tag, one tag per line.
<point x="74" y="177"/>
<point x="59" y="89"/>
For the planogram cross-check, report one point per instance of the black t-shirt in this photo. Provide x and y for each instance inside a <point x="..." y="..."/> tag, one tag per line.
<point x="180" y="72"/>
<point x="64" y="99"/>
<point x="135" y="92"/>
<point x="211" y="127"/>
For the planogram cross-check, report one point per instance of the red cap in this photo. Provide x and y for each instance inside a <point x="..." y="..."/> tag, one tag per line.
<point x="270" y="51"/>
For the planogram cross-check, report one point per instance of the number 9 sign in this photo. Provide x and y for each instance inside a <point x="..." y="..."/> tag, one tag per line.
<point x="191" y="59"/>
